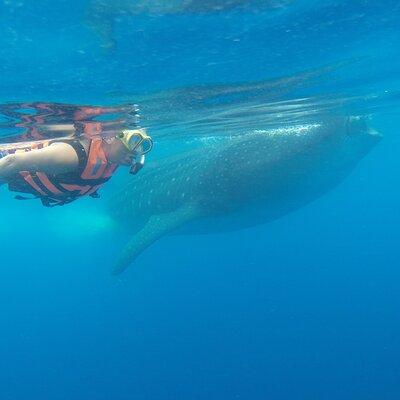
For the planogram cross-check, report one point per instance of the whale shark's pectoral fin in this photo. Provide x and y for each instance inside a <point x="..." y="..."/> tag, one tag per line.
<point x="157" y="226"/>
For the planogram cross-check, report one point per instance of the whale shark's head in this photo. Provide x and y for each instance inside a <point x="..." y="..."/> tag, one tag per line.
<point x="360" y="132"/>
<point x="357" y="138"/>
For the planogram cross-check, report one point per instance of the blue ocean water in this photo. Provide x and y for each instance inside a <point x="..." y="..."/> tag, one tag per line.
<point x="304" y="307"/>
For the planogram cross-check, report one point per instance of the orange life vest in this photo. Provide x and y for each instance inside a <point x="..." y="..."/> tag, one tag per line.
<point x="94" y="170"/>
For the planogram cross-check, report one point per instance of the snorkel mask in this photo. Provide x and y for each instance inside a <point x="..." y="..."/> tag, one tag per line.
<point x="138" y="144"/>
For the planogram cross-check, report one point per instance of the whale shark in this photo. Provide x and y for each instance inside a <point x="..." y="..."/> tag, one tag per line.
<point x="238" y="182"/>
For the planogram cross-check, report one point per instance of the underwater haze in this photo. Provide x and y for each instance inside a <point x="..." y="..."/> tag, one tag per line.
<point x="256" y="255"/>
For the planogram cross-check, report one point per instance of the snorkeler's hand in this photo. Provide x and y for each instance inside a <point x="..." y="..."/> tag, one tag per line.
<point x="7" y="167"/>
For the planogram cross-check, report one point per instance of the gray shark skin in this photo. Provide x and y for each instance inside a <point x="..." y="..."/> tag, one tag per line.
<point x="239" y="182"/>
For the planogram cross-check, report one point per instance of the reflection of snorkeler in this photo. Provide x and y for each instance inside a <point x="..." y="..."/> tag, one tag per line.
<point x="59" y="171"/>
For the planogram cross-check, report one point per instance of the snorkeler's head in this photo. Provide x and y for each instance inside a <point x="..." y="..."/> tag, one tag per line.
<point x="137" y="143"/>
<point x="136" y="140"/>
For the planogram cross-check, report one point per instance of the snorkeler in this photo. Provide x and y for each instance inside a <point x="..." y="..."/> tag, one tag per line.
<point x="59" y="171"/>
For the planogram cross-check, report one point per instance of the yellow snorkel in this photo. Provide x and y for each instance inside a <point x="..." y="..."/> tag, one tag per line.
<point x="139" y="143"/>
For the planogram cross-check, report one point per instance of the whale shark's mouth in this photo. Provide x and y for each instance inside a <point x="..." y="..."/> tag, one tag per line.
<point x="358" y="125"/>
<point x="374" y="132"/>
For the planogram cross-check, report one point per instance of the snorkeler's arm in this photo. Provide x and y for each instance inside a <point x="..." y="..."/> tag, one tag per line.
<point x="57" y="158"/>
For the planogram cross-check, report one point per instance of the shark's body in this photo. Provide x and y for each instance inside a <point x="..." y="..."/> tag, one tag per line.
<point x="240" y="182"/>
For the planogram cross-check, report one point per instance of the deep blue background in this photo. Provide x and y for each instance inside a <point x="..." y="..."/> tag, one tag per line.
<point x="306" y="307"/>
